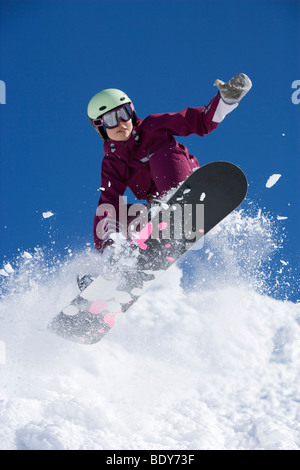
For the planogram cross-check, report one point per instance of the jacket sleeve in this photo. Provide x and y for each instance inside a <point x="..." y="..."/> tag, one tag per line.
<point x="198" y="121"/>
<point x="107" y="217"/>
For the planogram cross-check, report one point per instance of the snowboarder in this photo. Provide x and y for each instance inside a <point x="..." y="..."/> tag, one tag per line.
<point x="143" y="155"/>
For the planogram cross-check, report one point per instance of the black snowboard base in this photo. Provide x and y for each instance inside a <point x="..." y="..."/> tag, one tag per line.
<point x="207" y="196"/>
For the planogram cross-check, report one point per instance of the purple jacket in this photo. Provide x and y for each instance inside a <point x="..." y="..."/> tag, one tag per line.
<point x="151" y="162"/>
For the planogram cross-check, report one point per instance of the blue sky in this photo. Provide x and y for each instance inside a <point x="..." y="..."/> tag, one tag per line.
<point x="165" y="54"/>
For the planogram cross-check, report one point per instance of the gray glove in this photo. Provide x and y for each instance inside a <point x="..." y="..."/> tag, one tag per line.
<point x="234" y="90"/>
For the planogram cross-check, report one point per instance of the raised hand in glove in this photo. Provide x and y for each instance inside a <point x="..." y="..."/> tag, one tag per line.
<point x="234" y="90"/>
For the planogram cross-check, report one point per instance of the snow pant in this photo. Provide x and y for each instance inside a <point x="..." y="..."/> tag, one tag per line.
<point x="169" y="170"/>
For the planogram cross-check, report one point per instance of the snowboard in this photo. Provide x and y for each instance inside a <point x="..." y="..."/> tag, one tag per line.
<point x="173" y="227"/>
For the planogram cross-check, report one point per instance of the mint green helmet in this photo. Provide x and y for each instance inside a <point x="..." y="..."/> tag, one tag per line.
<point x="103" y="102"/>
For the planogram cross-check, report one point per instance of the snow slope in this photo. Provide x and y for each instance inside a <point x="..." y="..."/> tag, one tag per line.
<point x="207" y="360"/>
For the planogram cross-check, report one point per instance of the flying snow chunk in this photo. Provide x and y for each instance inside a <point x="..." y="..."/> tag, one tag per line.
<point x="26" y="255"/>
<point x="48" y="214"/>
<point x="281" y="217"/>
<point x="8" y="268"/>
<point x="3" y="272"/>
<point x="272" y="180"/>
<point x="285" y="263"/>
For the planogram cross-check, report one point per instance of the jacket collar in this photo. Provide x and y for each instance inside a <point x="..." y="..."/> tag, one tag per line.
<point x="121" y="148"/>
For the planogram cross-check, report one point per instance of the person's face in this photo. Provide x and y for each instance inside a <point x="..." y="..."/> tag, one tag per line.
<point x="122" y="132"/>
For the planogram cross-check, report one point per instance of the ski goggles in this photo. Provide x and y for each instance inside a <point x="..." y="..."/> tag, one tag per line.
<point x="112" y="118"/>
